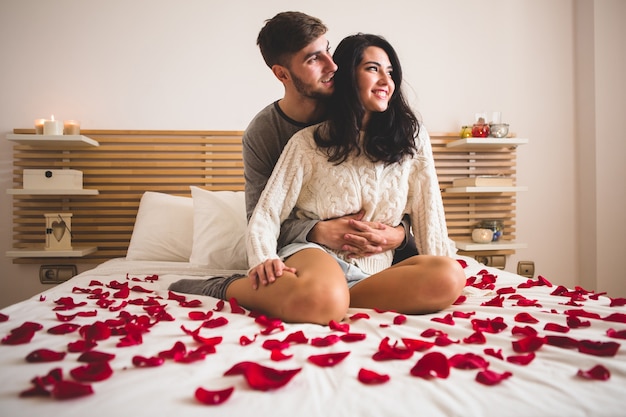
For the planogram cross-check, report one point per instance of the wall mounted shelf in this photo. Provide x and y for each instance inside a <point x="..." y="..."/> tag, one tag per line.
<point x="72" y="141"/>
<point x="470" y="246"/>
<point x="76" y="252"/>
<point x="484" y="143"/>
<point x="21" y="191"/>
<point x="485" y="189"/>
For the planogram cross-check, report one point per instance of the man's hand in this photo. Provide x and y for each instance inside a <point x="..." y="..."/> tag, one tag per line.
<point x="356" y="237"/>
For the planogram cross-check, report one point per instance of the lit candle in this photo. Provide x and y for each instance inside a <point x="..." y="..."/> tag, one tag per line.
<point x="39" y="126"/>
<point x="71" y="127"/>
<point x="52" y="127"/>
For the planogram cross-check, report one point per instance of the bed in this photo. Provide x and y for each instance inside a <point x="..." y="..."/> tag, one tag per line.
<point x="114" y="340"/>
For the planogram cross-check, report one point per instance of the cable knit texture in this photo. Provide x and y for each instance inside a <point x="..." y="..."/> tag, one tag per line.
<point x="305" y="182"/>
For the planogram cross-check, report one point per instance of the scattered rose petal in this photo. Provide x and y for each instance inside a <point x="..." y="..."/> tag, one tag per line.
<point x="352" y="337"/>
<point x="22" y="334"/>
<point x="277" y="355"/>
<point x="494" y="353"/>
<point x="447" y="319"/>
<point x="235" y="308"/>
<point x="328" y="359"/>
<point x="96" y="371"/>
<point x="358" y="316"/>
<point x="389" y="352"/>
<point x="621" y="334"/>
<point x="417" y="345"/>
<point x="432" y="364"/>
<point x="494" y="302"/>
<point x="261" y="377"/>
<point x="372" y="378"/>
<point x="143" y="362"/>
<point x="3" y="317"/>
<point x="245" y="340"/>
<point x="528" y="344"/>
<point x="95" y="356"/>
<point x="616" y="317"/>
<point x="598" y="373"/>
<point x="617" y="302"/>
<point x="488" y="325"/>
<point x="44" y="355"/>
<point x="331" y="339"/>
<point x="64" y="328"/>
<point x="477" y="338"/>
<point x="63" y="390"/>
<point x="488" y="377"/>
<point x="399" y="319"/>
<point x="555" y="327"/>
<point x="598" y="348"/>
<point x="468" y="361"/>
<point x="525" y="318"/>
<point x="521" y="359"/>
<point x="213" y="397"/>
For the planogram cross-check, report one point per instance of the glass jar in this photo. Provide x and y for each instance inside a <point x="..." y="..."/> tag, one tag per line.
<point x="497" y="226"/>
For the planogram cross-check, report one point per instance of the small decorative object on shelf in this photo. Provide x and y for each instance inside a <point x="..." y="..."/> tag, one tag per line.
<point x="480" y="235"/>
<point x="496" y="226"/>
<point x="71" y="127"/>
<point x="52" y="127"/>
<point x="58" y="231"/>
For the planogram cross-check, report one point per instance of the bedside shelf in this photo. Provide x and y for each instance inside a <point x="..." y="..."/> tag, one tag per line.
<point x="484" y="143"/>
<point x="469" y="246"/>
<point x="77" y="252"/>
<point x="53" y="140"/>
<point x="21" y="191"/>
<point x="485" y="189"/>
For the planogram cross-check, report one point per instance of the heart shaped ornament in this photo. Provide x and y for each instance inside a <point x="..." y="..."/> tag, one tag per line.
<point x="58" y="229"/>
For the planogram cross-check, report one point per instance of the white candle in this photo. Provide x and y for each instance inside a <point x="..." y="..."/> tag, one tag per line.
<point x="482" y="235"/>
<point x="52" y="127"/>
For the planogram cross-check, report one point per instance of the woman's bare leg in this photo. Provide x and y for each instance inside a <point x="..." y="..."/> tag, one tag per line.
<point x="420" y="284"/>
<point x="317" y="293"/>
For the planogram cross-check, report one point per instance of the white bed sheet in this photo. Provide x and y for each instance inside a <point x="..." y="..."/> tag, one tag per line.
<point x="548" y="386"/>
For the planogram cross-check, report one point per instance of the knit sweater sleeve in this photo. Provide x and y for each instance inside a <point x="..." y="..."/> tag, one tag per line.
<point x="276" y="202"/>
<point x="428" y="218"/>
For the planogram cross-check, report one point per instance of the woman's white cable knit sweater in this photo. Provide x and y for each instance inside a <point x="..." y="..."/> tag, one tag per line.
<point x="304" y="180"/>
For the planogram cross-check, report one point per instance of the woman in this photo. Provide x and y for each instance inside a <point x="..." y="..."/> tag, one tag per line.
<point x="368" y="155"/>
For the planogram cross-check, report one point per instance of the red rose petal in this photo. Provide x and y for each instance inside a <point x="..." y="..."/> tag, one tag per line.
<point x="525" y="318"/>
<point x="555" y="327"/>
<point x="341" y="327"/>
<point x="468" y="361"/>
<point x="213" y="397"/>
<point x="372" y="378"/>
<point x="488" y="377"/>
<point x="143" y="362"/>
<point x="96" y="371"/>
<point x="277" y="355"/>
<point x="598" y="373"/>
<point x="261" y="377"/>
<point x="95" y="356"/>
<point x="417" y="345"/>
<point x="44" y="355"/>
<point x="68" y="389"/>
<point x="352" y="337"/>
<point x="390" y="352"/>
<point x="528" y="344"/>
<point x="433" y="364"/>
<point x="329" y="359"/>
<point x="64" y="328"/>
<point x="477" y="338"/>
<point x="616" y="317"/>
<point x="495" y="325"/>
<point x="521" y="359"/>
<point x="358" y="316"/>
<point x="331" y="339"/>
<point x="616" y="334"/>
<point x="598" y="348"/>
<point x="447" y="319"/>
<point x="399" y="319"/>
<point x="494" y="353"/>
<point x="235" y="308"/>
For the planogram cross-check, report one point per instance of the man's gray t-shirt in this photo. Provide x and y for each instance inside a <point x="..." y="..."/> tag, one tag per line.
<point x="263" y="142"/>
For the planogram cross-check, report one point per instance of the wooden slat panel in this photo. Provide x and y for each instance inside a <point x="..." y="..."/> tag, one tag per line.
<point x="129" y="162"/>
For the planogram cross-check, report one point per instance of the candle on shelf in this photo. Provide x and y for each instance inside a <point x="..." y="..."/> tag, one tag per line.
<point x="71" y="127"/>
<point x="52" y="127"/>
<point x="39" y="126"/>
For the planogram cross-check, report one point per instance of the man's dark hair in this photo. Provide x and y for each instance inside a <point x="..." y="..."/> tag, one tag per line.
<point x="287" y="33"/>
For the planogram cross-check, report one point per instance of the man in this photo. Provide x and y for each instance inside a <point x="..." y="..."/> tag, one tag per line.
<point x="295" y="48"/>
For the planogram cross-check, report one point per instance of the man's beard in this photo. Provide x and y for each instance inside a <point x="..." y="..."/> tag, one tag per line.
<point x="305" y="89"/>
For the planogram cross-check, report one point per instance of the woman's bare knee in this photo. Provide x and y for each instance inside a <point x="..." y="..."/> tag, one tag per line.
<point x="317" y="303"/>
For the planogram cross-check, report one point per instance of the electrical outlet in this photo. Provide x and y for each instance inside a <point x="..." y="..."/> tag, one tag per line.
<point x="496" y="261"/>
<point x="526" y="269"/>
<point x="55" y="274"/>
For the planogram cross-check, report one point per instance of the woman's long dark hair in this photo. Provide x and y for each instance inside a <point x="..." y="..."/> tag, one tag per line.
<point x="389" y="136"/>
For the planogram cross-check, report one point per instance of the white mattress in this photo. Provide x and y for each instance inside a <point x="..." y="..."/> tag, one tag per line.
<point x="547" y="386"/>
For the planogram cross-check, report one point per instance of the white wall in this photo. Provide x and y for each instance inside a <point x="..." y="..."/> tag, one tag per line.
<point x="165" y="64"/>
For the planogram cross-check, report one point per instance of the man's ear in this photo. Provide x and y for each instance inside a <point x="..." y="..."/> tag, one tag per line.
<point x="280" y="72"/>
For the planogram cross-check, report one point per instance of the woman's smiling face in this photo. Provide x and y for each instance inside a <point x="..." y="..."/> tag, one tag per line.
<point x="373" y="76"/>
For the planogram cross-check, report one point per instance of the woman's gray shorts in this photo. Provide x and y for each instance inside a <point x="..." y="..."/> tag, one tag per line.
<point x="353" y="273"/>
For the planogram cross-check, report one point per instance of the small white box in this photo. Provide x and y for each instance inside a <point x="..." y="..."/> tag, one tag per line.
<point x="53" y="179"/>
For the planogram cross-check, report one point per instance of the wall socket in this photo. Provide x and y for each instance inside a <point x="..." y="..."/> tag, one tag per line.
<point x="496" y="261"/>
<point x="526" y="269"/>
<point x="55" y="274"/>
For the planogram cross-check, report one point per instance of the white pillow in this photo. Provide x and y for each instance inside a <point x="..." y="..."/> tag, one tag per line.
<point x="163" y="229"/>
<point x="219" y="232"/>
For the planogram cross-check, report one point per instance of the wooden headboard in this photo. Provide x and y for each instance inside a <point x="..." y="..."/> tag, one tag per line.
<point x="129" y="162"/>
